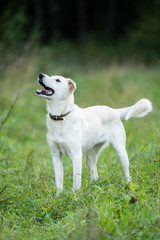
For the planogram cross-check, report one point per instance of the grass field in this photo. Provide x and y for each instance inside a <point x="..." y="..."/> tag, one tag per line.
<point x="107" y="209"/>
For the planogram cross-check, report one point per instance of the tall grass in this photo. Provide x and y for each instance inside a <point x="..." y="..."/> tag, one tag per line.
<point x="107" y="209"/>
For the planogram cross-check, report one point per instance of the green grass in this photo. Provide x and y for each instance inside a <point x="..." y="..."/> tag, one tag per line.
<point x="107" y="209"/>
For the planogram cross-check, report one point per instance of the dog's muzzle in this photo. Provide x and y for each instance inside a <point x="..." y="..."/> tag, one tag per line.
<point x="46" y="91"/>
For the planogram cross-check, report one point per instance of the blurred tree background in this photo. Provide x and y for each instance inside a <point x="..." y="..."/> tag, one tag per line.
<point x="132" y="25"/>
<point x="111" y="49"/>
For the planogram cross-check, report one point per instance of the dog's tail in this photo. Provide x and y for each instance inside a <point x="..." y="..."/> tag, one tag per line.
<point x="139" y="109"/>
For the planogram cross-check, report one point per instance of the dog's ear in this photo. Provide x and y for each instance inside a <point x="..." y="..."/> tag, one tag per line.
<point x="72" y="85"/>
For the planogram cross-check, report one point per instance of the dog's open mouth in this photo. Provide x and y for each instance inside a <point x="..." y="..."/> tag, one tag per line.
<point x="46" y="91"/>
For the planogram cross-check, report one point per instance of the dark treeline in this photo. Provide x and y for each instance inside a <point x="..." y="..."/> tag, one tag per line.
<point x="105" y="20"/>
<point x="73" y="18"/>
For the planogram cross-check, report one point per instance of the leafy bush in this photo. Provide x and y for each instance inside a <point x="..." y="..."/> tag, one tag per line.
<point x="144" y="37"/>
<point x="12" y="27"/>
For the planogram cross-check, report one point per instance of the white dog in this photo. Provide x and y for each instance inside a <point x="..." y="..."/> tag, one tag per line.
<point x="73" y="130"/>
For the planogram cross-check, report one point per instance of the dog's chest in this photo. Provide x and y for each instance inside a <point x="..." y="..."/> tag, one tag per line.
<point x="61" y="134"/>
<point x="58" y="131"/>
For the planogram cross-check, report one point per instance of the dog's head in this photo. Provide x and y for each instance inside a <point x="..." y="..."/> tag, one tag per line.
<point x="55" y="87"/>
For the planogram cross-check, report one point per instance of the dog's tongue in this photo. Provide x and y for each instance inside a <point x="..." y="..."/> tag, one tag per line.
<point x="45" y="91"/>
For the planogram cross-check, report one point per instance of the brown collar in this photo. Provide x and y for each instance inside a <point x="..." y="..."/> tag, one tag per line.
<point x="57" y="118"/>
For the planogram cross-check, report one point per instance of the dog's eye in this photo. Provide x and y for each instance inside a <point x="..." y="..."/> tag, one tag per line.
<point x="57" y="80"/>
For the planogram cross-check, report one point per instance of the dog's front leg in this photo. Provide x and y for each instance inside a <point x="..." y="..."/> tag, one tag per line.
<point x="77" y="170"/>
<point x="57" y="165"/>
<point x="58" y="170"/>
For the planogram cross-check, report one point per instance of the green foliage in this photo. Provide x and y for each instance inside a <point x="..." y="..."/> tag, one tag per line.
<point x="144" y="36"/>
<point x="125" y="29"/>
<point x="106" y="209"/>
<point x="12" y="28"/>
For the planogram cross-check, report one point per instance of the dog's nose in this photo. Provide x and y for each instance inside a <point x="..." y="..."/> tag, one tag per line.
<point x="41" y="75"/>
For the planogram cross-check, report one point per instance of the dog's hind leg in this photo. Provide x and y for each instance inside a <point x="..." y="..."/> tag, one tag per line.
<point x="92" y="157"/>
<point x="123" y="157"/>
<point x="118" y="141"/>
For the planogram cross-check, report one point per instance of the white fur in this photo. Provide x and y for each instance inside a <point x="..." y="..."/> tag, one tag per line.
<point x="85" y="130"/>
